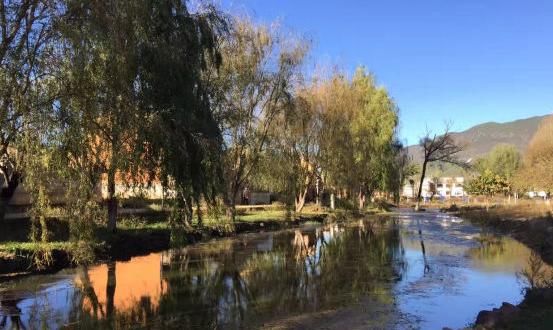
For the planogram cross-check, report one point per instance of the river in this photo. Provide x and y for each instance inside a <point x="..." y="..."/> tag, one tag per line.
<point x="374" y="273"/>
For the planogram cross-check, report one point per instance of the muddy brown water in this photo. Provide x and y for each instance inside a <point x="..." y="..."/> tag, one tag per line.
<point x="375" y="273"/>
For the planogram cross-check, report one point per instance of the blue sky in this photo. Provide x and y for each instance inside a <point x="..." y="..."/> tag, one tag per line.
<point x="465" y="61"/>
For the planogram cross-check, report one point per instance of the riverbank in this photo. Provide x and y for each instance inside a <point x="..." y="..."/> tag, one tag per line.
<point x="143" y="234"/>
<point x="532" y="225"/>
<point x="529" y="223"/>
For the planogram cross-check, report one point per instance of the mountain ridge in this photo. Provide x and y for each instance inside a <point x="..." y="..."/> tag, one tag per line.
<point x="482" y="138"/>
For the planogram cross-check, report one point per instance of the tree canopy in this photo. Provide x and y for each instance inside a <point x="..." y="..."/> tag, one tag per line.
<point x="503" y="160"/>
<point x="536" y="171"/>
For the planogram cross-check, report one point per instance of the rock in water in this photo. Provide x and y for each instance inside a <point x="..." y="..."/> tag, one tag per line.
<point x="498" y="316"/>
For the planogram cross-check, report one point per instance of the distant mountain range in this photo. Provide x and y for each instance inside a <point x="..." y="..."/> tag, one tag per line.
<point x="481" y="139"/>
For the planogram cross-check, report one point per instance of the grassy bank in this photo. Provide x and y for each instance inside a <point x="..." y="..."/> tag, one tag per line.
<point x="137" y="234"/>
<point x="143" y="230"/>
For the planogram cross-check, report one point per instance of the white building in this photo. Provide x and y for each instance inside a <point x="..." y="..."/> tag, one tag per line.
<point x="411" y="188"/>
<point x="448" y="187"/>
<point x="537" y="194"/>
<point x="445" y="187"/>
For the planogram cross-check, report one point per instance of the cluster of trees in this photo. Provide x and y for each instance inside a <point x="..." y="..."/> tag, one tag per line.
<point x="495" y="172"/>
<point x="505" y="172"/>
<point x="139" y="91"/>
<point x="338" y="136"/>
<point x="95" y="90"/>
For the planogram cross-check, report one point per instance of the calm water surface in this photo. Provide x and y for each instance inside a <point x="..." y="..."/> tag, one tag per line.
<point x="373" y="273"/>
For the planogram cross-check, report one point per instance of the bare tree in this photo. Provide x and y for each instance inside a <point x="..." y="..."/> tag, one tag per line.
<point x="442" y="148"/>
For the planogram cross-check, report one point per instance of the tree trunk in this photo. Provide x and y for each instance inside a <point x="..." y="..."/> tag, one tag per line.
<point x="230" y="202"/>
<point x="423" y="248"/>
<point x="112" y="202"/>
<point x="231" y="209"/>
<point x="44" y="234"/>
<point x="7" y="193"/>
<point x="417" y="206"/>
<point x="332" y="202"/>
<point x="318" y="197"/>
<point x="199" y="214"/>
<point x="110" y="290"/>
<point x="300" y="200"/>
<point x="361" y="200"/>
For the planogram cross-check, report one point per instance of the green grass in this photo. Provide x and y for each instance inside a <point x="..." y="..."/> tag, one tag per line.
<point x="158" y="221"/>
<point x="264" y="215"/>
<point x="11" y="247"/>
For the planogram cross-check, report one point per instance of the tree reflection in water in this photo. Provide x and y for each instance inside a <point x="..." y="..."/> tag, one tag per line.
<point x="305" y="271"/>
<point x="118" y="295"/>
<point x="11" y="313"/>
<point x="241" y="282"/>
<point x="325" y="274"/>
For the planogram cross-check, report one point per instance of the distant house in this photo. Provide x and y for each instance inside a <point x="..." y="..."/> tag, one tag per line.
<point x="448" y="187"/>
<point x="411" y="188"/>
<point x="538" y="194"/>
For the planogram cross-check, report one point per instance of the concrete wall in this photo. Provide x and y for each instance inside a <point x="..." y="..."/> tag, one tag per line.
<point x="21" y="196"/>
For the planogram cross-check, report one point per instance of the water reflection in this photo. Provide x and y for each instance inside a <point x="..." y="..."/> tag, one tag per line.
<point x="304" y="271"/>
<point x="11" y="314"/>
<point x="499" y="254"/>
<point x="388" y="271"/>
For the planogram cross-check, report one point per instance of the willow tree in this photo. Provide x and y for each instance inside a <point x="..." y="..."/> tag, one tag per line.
<point x="102" y="112"/>
<point x="184" y="141"/>
<point x="26" y="28"/>
<point x="293" y="143"/>
<point x="252" y="86"/>
<point x="373" y="131"/>
<point x="359" y="128"/>
<point x="337" y="101"/>
<point x="398" y="167"/>
<point x="137" y="109"/>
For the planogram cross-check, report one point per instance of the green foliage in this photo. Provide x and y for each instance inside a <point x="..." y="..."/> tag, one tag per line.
<point x="136" y="92"/>
<point x="503" y="160"/>
<point x="293" y="143"/>
<point x="488" y="184"/>
<point x="359" y="128"/>
<point x="184" y="138"/>
<point x="338" y="132"/>
<point x="137" y="101"/>
<point x="26" y="61"/>
<point x="252" y="88"/>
